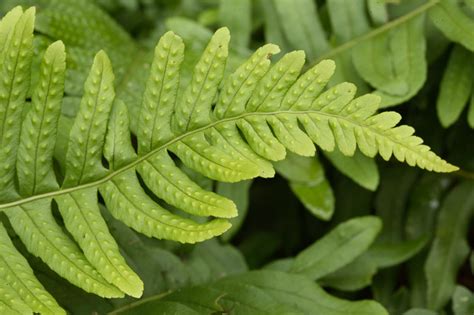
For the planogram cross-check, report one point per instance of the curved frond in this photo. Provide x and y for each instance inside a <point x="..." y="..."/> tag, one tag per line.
<point x="226" y="127"/>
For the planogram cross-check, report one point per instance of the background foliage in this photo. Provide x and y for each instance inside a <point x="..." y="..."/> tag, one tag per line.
<point x="377" y="236"/>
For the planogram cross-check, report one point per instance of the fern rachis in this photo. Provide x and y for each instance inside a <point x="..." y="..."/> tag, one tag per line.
<point x="228" y="134"/>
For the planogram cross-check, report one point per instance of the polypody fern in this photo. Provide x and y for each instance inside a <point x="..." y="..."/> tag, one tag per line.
<point x="229" y="128"/>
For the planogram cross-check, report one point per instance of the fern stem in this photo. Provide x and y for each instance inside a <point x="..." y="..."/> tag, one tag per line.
<point x="386" y="27"/>
<point x="164" y="146"/>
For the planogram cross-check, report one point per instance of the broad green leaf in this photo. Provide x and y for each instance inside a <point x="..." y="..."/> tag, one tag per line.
<point x="378" y="11"/>
<point x="274" y="32"/>
<point x="163" y="307"/>
<point x="452" y="21"/>
<point x="302" y="28"/>
<point x="388" y="255"/>
<point x="463" y="301"/>
<point x="296" y="168"/>
<point x="210" y="261"/>
<point x="283" y="264"/>
<point x="303" y="294"/>
<point x="307" y="181"/>
<point x="258" y="292"/>
<point x="359" y="273"/>
<point x="337" y="248"/>
<point x="348" y="18"/>
<point x="394" y="62"/>
<point x="237" y="15"/>
<point x="359" y="168"/>
<point x="352" y="277"/>
<point x="317" y="198"/>
<point x="456" y="85"/>
<point x="436" y="42"/>
<point x="450" y="248"/>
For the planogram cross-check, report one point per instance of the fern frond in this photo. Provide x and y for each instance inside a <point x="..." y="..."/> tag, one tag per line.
<point x="394" y="63"/>
<point x="456" y="87"/>
<point x="82" y="218"/>
<point x="226" y="127"/>
<point x="17" y="275"/>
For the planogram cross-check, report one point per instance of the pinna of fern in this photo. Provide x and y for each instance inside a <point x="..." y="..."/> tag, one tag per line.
<point x="229" y="128"/>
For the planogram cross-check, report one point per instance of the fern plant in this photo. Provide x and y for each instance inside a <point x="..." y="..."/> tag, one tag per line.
<point x="228" y="127"/>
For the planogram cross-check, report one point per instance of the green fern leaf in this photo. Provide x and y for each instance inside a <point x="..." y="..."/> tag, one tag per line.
<point x="43" y="237"/>
<point x="194" y="108"/>
<point x="161" y="89"/>
<point x="82" y="218"/>
<point x="80" y="210"/>
<point x="226" y="127"/>
<point x="394" y="62"/>
<point x="87" y="136"/>
<point x="38" y="132"/>
<point x="15" y="60"/>
<point x="456" y="86"/>
<point x="448" y="16"/>
<point x="17" y="275"/>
